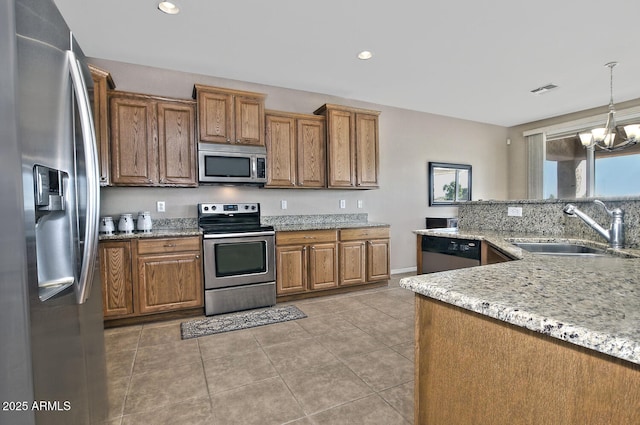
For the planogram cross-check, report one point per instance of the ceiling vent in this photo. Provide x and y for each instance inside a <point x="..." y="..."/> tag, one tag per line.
<point x="544" y="89"/>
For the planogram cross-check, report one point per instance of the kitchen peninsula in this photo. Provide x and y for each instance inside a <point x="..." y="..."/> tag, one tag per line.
<point x="541" y="339"/>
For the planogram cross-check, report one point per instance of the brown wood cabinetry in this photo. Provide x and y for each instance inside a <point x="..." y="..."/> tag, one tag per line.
<point x="319" y="261"/>
<point x="169" y="274"/>
<point x="116" y="277"/>
<point x="306" y="261"/>
<point x="229" y="116"/>
<point x="364" y="255"/>
<point x="295" y="150"/>
<point x="145" y="276"/>
<point x="102" y="82"/>
<point x="472" y="369"/>
<point x="492" y="255"/>
<point x="152" y="141"/>
<point x="352" y="146"/>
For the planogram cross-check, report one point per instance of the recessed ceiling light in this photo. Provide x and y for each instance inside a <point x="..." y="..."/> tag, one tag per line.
<point x="364" y="55"/>
<point x="168" y="7"/>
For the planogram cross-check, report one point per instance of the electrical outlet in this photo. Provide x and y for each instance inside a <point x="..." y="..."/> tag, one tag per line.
<point x="160" y="206"/>
<point x="359" y="203"/>
<point x="283" y="205"/>
<point x="343" y="203"/>
<point x="514" y="211"/>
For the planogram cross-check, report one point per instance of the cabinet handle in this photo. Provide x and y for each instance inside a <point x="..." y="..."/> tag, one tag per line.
<point x="309" y="237"/>
<point x="197" y="256"/>
<point x="237" y="140"/>
<point x="228" y="140"/>
<point x="170" y="245"/>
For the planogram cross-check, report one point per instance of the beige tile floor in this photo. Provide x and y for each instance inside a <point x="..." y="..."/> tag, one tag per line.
<point x="349" y="362"/>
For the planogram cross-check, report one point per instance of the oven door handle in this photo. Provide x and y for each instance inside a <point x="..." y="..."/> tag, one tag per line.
<point x="237" y="235"/>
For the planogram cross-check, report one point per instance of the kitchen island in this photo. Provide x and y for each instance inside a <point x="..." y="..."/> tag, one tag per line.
<point x="541" y="339"/>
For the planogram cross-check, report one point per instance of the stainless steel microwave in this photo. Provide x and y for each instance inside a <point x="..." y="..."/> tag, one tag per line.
<point x="232" y="164"/>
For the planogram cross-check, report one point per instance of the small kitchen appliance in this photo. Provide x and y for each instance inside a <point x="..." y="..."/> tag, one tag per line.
<point x="239" y="258"/>
<point x="232" y="164"/>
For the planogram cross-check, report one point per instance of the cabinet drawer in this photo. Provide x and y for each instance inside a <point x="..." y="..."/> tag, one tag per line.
<point x="168" y="245"/>
<point x="364" y="233"/>
<point x="306" y="237"/>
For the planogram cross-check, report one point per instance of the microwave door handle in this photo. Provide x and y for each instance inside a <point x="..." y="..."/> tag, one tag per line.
<point x="93" y="179"/>
<point x="254" y="167"/>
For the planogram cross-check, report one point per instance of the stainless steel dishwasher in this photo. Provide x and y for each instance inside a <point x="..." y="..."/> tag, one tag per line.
<point x="441" y="254"/>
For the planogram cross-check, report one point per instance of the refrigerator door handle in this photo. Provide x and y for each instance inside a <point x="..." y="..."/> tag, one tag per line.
<point x="93" y="179"/>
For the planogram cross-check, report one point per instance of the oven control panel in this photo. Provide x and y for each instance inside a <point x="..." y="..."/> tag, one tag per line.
<point x="207" y="209"/>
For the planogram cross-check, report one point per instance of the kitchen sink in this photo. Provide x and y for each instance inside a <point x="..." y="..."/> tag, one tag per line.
<point x="555" y="248"/>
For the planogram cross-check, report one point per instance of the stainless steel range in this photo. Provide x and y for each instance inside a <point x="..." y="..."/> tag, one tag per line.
<point x="239" y="258"/>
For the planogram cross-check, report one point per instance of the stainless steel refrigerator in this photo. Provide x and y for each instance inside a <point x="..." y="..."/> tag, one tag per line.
<point x="52" y="363"/>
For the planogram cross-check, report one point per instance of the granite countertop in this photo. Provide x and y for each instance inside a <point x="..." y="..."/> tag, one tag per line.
<point x="159" y="233"/>
<point x="593" y="302"/>
<point x="291" y="227"/>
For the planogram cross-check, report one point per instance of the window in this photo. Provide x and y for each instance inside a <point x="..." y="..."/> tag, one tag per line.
<point x="617" y="173"/>
<point x="449" y="183"/>
<point x="567" y="167"/>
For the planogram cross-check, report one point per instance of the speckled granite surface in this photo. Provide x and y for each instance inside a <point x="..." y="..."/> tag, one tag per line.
<point x="545" y="217"/>
<point x="290" y="223"/>
<point x="592" y="302"/>
<point x="161" y="228"/>
<point x="283" y="223"/>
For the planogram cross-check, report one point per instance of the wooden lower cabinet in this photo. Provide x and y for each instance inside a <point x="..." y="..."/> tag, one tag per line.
<point x="317" y="261"/>
<point x="492" y="255"/>
<point x="116" y="277"/>
<point x="306" y="261"/>
<point x="364" y="255"/>
<point x="472" y="369"/>
<point x="147" y="276"/>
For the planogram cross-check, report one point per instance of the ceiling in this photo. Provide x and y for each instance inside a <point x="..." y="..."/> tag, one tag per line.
<point x="466" y="59"/>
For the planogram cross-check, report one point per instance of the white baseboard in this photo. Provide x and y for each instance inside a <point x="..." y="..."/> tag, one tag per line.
<point x="405" y="270"/>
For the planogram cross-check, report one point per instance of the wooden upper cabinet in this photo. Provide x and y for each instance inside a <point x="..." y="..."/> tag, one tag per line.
<point x="312" y="161"/>
<point x="281" y="150"/>
<point x="295" y="150"/>
<point x="215" y="114"/>
<point x="229" y="116"/>
<point x="352" y="146"/>
<point x="133" y="141"/>
<point x="367" y="159"/>
<point x="177" y="145"/>
<point x="102" y="82"/>
<point x="249" y="120"/>
<point x="152" y="141"/>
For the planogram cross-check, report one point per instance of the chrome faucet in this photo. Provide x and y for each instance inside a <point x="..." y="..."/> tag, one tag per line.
<point x="615" y="234"/>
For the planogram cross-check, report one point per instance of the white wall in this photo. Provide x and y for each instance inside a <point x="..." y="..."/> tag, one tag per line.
<point x="408" y="140"/>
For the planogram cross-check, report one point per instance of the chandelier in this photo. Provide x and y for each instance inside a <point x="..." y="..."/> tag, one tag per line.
<point x="605" y="137"/>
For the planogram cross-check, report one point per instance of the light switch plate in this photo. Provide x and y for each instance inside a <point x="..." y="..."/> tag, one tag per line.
<point x="514" y="211"/>
<point x="343" y="203"/>
<point x="283" y="205"/>
<point x="160" y="206"/>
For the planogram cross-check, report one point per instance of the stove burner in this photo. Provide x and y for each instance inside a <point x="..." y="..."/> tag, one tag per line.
<point x="230" y="218"/>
